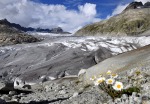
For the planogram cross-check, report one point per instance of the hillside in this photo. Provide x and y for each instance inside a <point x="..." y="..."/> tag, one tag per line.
<point x="132" y="21"/>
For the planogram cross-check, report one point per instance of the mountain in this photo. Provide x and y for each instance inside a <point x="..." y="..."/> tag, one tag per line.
<point x="10" y="35"/>
<point x="134" y="20"/>
<point x="26" y="29"/>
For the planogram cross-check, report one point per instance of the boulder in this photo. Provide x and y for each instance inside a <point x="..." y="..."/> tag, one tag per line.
<point x="102" y="54"/>
<point x="139" y="58"/>
<point x="6" y="86"/>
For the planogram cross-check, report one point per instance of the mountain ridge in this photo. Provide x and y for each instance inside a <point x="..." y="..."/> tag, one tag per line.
<point x="10" y="35"/>
<point x="131" y="22"/>
<point x="26" y="29"/>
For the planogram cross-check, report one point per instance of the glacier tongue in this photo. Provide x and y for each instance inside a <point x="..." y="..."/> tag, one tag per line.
<point x="115" y="44"/>
<point x="60" y="56"/>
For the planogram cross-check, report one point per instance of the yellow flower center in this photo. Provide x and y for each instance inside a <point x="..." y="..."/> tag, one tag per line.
<point x="109" y="81"/>
<point x="100" y="81"/>
<point x="93" y="77"/>
<point x="108" y="72"/>
<point x="114" y="75"/>
<point x="118" y="86"/>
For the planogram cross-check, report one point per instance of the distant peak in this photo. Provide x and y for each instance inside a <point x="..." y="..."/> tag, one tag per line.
<point x="134" y="5"/>
<point x="4" y="21"/>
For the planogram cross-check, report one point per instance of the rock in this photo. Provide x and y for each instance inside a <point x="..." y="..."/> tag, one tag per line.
<point x="6" y="98"/>
<point x="6" y="86"/>
<point x="147" y="5"/>
<point x="117" y="64"/>
<point x="57" y="30"/>
<point x="2" y="84"/>
<point x="14" y="100"/>
<point x="102" y="54"/>
<point x="75" y="94"/>
<point x="11" y="93"/>
<point x="62" y="92"/>
<point x="2" y="101"/>
<point x="134" y="5"/>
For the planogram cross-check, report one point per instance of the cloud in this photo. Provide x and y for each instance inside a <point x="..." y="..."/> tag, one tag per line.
<point x="88" y="9"/>
<point x="32" y="14"/>
<point x="143" y="1"/>
<point x="121" y="7"/>
<point x="118" y="10"/>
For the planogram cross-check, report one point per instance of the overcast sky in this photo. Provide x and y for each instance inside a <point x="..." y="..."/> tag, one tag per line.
<point x="71" y="15"/>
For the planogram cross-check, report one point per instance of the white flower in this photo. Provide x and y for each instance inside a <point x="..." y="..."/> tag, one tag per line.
<point x="93" y="78"/>
<point x="108" y="72"/>
<point x="110" y="81"/>
<point x="118" y="86"/>
<point x="99" y="80"/>
<point x="114" y="75"/>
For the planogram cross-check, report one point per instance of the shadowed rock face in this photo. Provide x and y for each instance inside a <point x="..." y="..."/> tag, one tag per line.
<point x="139" y="58"/>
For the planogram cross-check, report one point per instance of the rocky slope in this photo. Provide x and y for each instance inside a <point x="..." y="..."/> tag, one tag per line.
<point x="10" y="35"/>
<point x="134" y="20"/>
<point x="135" y="59"/>
<point x="69" y="90"/>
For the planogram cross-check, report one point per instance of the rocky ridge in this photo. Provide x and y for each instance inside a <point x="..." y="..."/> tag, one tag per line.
<point x="10" y="35"/>
<point x="57" y="30"/>
<point x="133" y="21"/>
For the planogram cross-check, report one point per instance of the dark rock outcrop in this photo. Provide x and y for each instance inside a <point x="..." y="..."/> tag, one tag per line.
<point x="147" y="5"/>
<point x="17" y="26"/>
<point x="134" y="5"/>
<point x="57" y="30"/>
